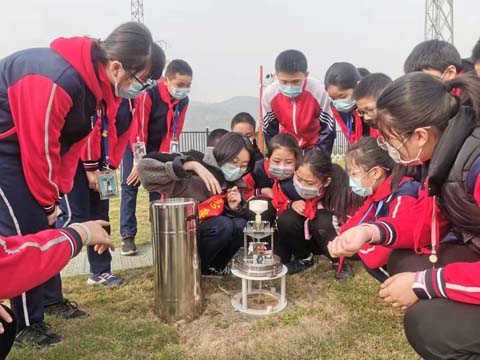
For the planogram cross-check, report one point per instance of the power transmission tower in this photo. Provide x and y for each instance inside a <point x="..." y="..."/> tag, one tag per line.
<point x="137" y="10"/>
<point x="439" y="20"/>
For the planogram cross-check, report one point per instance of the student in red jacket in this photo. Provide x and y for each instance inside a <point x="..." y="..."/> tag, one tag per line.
<point x="365" y="95"/>
<point x="51" y="96"/>
<point x="46" y="252"/>
<point x="387" y="192"/>
<point x="298" y="105"/>
<point x="158" y="123"/>
<point x="435" y="57"/>
<point x="318" y="205"/>
<point x="341" y="79"/>
<point x="424" y="123"/>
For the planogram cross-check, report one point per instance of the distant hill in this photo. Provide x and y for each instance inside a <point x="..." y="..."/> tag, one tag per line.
<point x="218" y="115"/>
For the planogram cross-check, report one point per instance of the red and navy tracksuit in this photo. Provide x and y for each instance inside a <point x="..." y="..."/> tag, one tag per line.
<point x="158" y="119"/>
<point x="352" y="125"/>
<point x="84" y="204"/>
<point x="40" y="256"/>
<point x="382" y="203"/>
<point x="308" y="117"/>
<point x="47" y="99"/>
<point x="457" y="281"/>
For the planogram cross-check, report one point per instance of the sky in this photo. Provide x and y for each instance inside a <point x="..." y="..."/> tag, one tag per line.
<point x="225" y="41"/>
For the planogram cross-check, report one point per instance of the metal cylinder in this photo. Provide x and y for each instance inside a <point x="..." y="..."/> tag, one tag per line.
<point x="175" y="258"/>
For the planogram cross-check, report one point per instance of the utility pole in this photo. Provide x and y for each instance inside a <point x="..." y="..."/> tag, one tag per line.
<point x="439" y="20"/>
<point x="137" y="10"/>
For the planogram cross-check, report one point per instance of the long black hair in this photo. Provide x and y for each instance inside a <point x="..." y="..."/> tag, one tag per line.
<point x="132" y="45"/>
<point x="336" y="198"/>
<point x="418" y="100"/>
<point x="230" y="145"/>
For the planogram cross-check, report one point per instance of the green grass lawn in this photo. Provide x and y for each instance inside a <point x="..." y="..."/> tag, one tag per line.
<point x="325" y="319"/>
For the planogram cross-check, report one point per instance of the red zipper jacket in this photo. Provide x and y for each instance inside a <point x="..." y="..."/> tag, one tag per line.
<point x="154" y="118"/>
<point x="28" y="261"/>
<point x="383" y="203"/>
<point x="119" y="133"/>
<point x="51" y="96"/>
<point x="308" y="117"/>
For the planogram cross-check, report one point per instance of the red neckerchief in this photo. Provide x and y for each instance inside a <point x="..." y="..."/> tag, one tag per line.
<point x="167" y="98"/>
<point x="280" y="201"/>
<point x="211" y="207"/>
<point x="311" y="206"/>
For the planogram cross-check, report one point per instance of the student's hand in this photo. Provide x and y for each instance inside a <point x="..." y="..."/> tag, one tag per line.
<point x="52" y="218"/>
<point x="397" y="291"/>
<point x="100" y="239"/>
<point x="233" y="198"/>
<point x="92" y="177"/>
<point x="299" y="206"/>
<point x="267" y="192"/>
<point x="5" y="316"/>
<point x="348" y="243"/>
<point x="210" y="181"/>
<point x="134" y="178"/>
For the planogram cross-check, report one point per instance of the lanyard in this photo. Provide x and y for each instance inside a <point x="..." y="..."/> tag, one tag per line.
<point x="176" y="115"/>
<point x="349" y="126"/>
<point x="377" y="211"/>
<point x="105" y="136"/>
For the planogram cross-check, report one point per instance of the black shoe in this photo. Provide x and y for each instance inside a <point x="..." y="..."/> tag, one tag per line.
<point x="345" y="272"/>
<point x="37" y="335"/>
<point x="66" y="310"/>
<point x="128" y="246"/>
<point x="226" y="271"/>
<point x="299" y="265"/>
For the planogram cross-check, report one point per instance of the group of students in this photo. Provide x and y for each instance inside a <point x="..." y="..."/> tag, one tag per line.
<point x="407" y="205"/>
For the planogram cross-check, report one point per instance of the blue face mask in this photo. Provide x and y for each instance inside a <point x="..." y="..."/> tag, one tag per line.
<point x="290" y="90"/>
<point x="344" y="105"/>
<point x="132" y="92"/>
<point x="232" y="172"/>
<point x="179" y="93"/>
<point x="356" y="185"/>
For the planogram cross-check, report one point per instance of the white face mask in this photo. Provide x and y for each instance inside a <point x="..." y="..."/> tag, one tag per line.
<point x="306" y="192"/>
<point x="395" y="153"/>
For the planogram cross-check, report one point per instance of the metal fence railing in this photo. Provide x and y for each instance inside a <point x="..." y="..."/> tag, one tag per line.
<point x="193" y="140"/>
<point x="197" y="140"/>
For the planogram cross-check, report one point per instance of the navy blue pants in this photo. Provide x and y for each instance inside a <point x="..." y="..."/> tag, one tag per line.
<point x="219" y="238"/>
<point x="83" y="204"/>
<point x="128" y="202"/>
<point x="20" y="214"/>
<point x="8" y="336"/>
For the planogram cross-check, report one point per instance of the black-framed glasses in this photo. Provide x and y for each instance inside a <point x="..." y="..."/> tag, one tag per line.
<point x="144" y="85"/>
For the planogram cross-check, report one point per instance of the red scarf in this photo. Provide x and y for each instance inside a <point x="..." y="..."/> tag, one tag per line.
<point x="211" y="207"/>
<point x="167" y="98"/>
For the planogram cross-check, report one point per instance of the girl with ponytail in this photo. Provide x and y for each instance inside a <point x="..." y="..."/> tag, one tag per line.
<point x="423" y="122"/>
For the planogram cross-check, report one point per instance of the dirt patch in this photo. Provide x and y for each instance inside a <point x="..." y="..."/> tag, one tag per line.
<point x="223" y="333"/>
